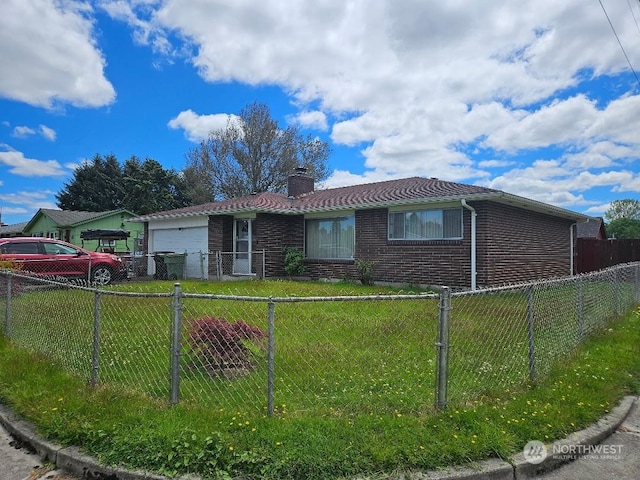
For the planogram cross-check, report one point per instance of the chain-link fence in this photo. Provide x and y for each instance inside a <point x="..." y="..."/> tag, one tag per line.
<point x="313" y="355"/>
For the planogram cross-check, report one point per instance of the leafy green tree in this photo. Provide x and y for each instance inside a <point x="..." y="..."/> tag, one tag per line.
<point x="252" y="154"/>
<point x="628" y="208"/>
<point x="624" y="219"/>
<point x="96" y="186"/>
<point x="102" y="184"/>
<point x="150" y="188"/>
<point x="624" y="228"/>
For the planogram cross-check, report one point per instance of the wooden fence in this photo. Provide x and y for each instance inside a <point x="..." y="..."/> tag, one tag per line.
<point x="592" y="254"/>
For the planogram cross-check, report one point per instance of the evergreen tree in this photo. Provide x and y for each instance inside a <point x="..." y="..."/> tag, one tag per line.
<point x="101" y="184"/>
<point x="96" y="186"/>
<point x="150" y="188"/>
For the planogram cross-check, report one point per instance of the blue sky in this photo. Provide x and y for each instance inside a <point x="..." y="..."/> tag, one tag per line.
<point x="539" y="98"/>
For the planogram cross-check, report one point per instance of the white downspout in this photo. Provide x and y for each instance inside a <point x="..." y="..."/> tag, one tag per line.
<point x="571" y="266"/>
<point x="473" y="242"/>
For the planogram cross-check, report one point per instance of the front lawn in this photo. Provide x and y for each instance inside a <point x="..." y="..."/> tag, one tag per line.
<point x="367" y="416"/>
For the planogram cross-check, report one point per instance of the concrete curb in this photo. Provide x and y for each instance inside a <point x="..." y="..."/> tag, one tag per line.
<point x="84" y="466"/>
<point x="591" y="435"/>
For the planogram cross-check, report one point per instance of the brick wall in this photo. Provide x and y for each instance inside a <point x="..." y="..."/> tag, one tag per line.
<point x="435" y="262"/>
<point x="273" y="233"/>
<point x="516" y="245"/>
<point x="220" y="238"/>
<point x="513" y="245"/>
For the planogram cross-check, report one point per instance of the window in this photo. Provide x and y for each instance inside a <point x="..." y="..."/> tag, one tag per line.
<point x="21" y="248"/>
<point x="426" y="224"/>
<point x="330" y="238"/>
<point x="58" y="249"/>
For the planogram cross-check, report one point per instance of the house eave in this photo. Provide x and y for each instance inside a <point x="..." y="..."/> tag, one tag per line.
<point x="536" y="206"/>
<point x="498" y="197"/>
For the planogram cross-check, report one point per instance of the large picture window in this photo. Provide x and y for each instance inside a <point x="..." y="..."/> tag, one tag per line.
<point x="445" y="224"/>
<point x="330" y="238"/>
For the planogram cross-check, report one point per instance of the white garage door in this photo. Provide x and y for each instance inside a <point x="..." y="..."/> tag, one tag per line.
<point x="190" y="240"/>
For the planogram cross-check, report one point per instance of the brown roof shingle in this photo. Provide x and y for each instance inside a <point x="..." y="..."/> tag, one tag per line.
<point x="404" y="191"/>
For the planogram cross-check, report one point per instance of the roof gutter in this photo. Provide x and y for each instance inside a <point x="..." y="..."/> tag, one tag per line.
<point x="473" y="242"/>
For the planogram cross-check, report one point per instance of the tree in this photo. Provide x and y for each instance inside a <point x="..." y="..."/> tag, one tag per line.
<point x="628" y="208"/>
<point x="624" y="219"/>
<point x="252" y="154"/>
<point x="623" y="228"/>
<point x="101" y="184"/>
<point x="96" y="186"/>
<point x="150" y="188"/>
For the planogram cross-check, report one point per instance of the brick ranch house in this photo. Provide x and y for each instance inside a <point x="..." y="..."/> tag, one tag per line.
<point x="421" y="231"/>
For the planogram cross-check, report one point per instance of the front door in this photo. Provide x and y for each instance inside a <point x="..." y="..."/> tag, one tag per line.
<point x="242" y="247"/>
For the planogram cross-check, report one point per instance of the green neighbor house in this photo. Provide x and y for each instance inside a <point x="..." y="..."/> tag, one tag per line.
<point x="68" y="225"/>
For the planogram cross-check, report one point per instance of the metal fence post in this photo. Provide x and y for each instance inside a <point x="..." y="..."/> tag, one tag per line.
<point x="531" y="337"/>
<point x="271" y="358"/>
<point x="95" y="360"/>
<point x="636" y="297"/>
<point x="175" y="344"/>
<point x="614" y="287"/>
<point x="579" y="309"/>
<point x="442" y="347"/>
<point x="7" y="320"/>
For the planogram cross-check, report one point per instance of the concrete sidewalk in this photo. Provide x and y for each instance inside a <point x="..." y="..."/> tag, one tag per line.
<point x="609" y="448"/>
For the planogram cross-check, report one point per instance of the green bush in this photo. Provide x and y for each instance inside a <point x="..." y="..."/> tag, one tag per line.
<point x="293" y="261"/>
<point x="365" y="269"/>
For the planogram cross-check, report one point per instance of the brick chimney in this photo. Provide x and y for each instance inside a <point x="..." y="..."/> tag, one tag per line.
<point x="300" y="183"/>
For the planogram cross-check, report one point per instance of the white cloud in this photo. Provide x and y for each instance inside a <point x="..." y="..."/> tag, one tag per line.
<point x="425" y="87"/>
<point x="48" y="133"/>
<point x="139" y="15"/>
<point x="26" y="201"/>
<point x="22" y="132"/>
<point x="557" y="123"/>
<point x="28" y="167"/>
<point x="52" y="53"/>
<point x="495" y="163"/>
<point x="197" y="127"/>
<point x="311" y="119"/>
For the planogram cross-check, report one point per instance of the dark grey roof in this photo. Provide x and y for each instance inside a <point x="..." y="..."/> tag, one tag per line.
<point x="12" y="229"/>
<point x="70" y="217"/>
<point x="590" y="228"/>
<point x="406" y="191"/>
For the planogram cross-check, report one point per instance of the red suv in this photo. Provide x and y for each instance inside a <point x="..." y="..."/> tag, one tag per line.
<point x="46" y="256"/>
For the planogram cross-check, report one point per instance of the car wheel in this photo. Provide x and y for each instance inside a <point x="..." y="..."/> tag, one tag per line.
<point x="101" y="275"/>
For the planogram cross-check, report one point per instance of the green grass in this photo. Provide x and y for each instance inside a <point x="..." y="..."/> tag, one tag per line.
<point x="123" y="427"/>
<point x="348" y="401"/>
<point x="339" y="356"/>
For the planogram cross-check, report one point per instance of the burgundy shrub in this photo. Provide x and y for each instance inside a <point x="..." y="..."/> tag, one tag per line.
<point x="220" y="343"/>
